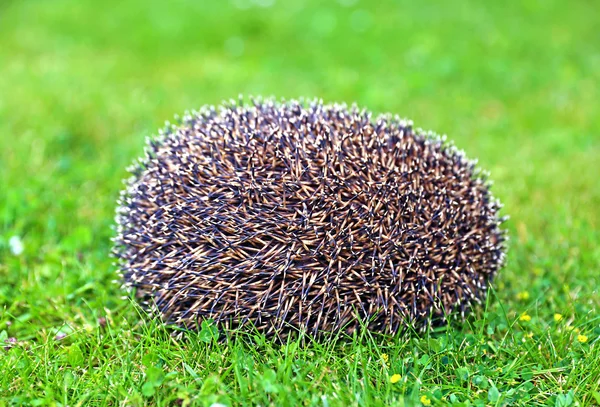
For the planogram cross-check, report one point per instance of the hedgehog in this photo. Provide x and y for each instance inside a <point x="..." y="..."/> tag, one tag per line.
<point x="300" y="216"/>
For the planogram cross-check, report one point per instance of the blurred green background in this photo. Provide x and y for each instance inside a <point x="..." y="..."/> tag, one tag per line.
<point x="82" y="83"/>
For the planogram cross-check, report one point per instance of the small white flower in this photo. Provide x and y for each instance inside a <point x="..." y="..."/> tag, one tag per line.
<point x="16" y="245"/>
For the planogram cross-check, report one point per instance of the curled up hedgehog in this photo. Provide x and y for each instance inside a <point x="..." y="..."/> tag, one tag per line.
<point x="305" y="216"/>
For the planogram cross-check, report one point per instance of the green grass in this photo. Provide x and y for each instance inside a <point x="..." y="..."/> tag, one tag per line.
<point x="82" y="83"/>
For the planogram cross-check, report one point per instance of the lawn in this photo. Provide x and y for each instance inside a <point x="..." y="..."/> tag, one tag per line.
<point x="83" y="83"/>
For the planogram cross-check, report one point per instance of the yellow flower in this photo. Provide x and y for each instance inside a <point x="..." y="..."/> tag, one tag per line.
<point x="395" y="378"/>
<point x="525" y="317"/>
<point x="385" y="357"/>
<point x="582" y="338"/>
<point x="529" y="335"/>
<point x="523" y="295"/>
<point x="558" y="317"/>
<point x="425" y="400"/>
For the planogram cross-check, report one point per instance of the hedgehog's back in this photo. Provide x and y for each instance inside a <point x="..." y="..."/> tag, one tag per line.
<point x="306" y="217"/>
